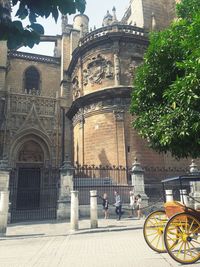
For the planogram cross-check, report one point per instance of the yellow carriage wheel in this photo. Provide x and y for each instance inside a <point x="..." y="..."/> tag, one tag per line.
<point x="182" y="238"/>
<point x="153" y="230"/>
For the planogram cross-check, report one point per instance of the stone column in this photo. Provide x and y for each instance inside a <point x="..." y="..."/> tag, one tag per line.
<point x="93" y="209"/>
<point x="66" y="186"/>
<point x="74" y="210"/>
<point x="117" y="69"/>
<point x="4" y="196"/>
<point x="195" y="186"/>
<point x="137" y="179"/>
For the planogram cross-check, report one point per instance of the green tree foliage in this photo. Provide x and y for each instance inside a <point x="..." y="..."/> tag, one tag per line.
<point x="17" y="35"/>
<point x="166" y="94"/>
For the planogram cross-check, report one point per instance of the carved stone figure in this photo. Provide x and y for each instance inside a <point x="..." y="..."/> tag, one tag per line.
<point x="75" y="88"/>
<point x="117" y="68"/>
<point x="85" y="77"/>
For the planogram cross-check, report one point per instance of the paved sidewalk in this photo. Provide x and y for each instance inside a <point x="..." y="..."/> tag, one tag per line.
<point x="52" y="244"/>
<point x="55" y="228"/>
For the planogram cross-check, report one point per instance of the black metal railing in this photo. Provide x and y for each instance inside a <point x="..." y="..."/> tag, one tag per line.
<point x="33" y="204"/>
<point x="101" y="175"/>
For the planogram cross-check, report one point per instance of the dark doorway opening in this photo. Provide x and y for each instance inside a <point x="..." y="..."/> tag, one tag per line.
<point x="28" y="189"/>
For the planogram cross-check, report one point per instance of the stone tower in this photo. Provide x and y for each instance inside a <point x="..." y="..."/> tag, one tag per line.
<point x="140" y="13"/>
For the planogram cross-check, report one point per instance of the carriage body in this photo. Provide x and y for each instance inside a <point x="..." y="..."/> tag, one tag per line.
<point x="176" y="228"/>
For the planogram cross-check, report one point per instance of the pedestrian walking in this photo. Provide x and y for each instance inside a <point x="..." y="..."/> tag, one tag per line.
<point x="139" y="206"/>
<point x="118" y="205"/>
<point x="105" y="205"/>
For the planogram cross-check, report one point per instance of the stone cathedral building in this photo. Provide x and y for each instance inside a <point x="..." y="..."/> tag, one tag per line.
<point x="77" y="101"/>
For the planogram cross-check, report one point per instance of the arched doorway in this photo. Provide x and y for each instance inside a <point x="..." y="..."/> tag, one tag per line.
<point x="33" y="182"/>
<point x="30" y="161"/>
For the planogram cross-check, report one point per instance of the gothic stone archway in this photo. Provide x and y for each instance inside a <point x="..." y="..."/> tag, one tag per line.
<point x="33" y="186"/>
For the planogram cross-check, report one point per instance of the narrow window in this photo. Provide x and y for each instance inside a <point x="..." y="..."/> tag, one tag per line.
<point x="32" y="81"/>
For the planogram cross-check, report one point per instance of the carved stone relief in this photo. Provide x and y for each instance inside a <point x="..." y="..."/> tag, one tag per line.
<point x="31" y="152"/>
<point x="97" y="69"/>
<point x="22" y="104"/>
<point x="119" y="115"/>
<point x="116" y="105"/>
<point x="75" y="88"/>
<point x="117" y="69"/>
<point x="132" y="65"/>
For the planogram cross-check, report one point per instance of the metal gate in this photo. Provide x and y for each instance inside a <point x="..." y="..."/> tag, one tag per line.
<point x="33" y="194"/>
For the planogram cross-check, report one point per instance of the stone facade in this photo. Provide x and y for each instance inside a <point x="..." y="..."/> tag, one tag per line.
<point x="77" y="102"/>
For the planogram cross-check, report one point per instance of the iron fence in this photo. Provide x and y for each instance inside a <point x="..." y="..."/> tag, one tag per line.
<point x="33" y="204"/>
<point x="33" y="194"/>
<point x="155" y="174"/>
<point x="102" y="175"/>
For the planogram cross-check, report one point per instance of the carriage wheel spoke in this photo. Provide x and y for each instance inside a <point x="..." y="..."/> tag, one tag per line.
<point x="195" y="241"/>
<point x="154" y="238"/>
<point x="151" y="234"/>
<point x="194" y="250"/>
<point x="179" y="250"/>
<point x="191" y="225"/>
<point x="158" y="241"/>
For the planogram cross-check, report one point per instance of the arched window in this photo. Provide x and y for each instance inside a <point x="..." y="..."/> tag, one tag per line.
<point x="32" y="81"/>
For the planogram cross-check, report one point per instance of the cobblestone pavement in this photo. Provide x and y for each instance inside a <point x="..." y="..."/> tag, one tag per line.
<point x="48" y="245"/>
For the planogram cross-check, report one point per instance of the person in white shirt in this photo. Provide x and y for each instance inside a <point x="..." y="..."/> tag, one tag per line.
<point x="132" y="203"/>
<point x="139" y="206"/>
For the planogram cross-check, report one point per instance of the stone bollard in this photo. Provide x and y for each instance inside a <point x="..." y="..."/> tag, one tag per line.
<point x="4" y="195"/>
<point x="66" y="186"/>
<point x="4" y="204"/>
<point x="169" y="195"/>
<point x="93" y="209"/>
<point x="183" y="197"/>
<point x="74" y="210"/>
<point x="137" y="178"/>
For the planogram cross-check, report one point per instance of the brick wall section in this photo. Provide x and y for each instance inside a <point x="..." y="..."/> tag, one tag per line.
<point x="100" y="142"/>
<point x="50" y="76"/>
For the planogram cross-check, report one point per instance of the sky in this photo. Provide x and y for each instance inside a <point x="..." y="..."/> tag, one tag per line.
<point x="95" y="10"/>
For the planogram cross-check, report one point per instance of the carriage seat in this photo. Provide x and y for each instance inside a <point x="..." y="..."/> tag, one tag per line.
<point x="173" y="207"/>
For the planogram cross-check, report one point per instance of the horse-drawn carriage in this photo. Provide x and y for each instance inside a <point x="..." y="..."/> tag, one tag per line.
<point x="176" y="228"/>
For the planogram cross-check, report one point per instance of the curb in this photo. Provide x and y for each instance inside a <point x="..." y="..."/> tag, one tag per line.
<point x="72" y="232"/>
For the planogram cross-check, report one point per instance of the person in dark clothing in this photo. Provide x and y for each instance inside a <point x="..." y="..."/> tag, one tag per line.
<point x="118" y="205"/>
<point x="105" y="205"/>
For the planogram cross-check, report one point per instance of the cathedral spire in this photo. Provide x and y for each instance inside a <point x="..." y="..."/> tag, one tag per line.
<point x="114" y="18"/>
<point x="107" y="20"/>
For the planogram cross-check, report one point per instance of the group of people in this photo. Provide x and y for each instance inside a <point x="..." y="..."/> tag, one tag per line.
<point x="135" y="205"/>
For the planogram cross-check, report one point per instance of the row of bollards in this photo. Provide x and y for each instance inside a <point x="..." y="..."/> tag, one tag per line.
<point x="183" y="196"/>
<point x="75" y="210"/>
